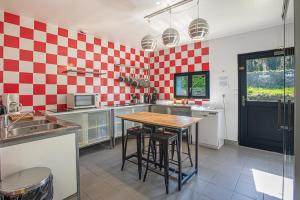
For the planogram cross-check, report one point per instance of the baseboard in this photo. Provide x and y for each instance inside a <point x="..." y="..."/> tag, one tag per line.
<point x="231" y="142"/>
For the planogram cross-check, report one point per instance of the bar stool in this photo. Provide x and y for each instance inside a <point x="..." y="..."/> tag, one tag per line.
<point x="186" y="132"/>
<point x="139" y="134"/>
<point x="28" y="184"/>
<point x="164" y="138"/>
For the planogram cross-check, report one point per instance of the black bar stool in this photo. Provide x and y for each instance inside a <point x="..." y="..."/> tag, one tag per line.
<point x="164" y="138"/>
<point x="186" y="132"/>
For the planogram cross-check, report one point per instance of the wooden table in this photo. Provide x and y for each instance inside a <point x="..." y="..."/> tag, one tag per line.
<point x="167" y="121"/>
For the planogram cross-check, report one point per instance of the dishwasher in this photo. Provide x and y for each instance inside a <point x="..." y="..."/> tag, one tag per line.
<point x="211" y="128"/>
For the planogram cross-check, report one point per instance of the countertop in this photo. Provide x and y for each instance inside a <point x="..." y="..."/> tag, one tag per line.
<point x="6" y="139"/>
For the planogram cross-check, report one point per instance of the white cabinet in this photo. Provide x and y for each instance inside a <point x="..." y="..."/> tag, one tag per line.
<point x="211" y="128"/>
<point x="95" y="126"/>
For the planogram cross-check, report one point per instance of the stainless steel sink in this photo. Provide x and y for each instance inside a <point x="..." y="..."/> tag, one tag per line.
<point x="21" y="124"/>
<point x="32" y="129"/>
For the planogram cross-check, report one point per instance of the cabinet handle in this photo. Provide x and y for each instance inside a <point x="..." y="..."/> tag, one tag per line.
<point x="243" y="101"/>
<point x="289" y="115"/>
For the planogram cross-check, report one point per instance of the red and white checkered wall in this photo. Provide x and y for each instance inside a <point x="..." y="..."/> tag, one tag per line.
<point x="34" y="57"/>
<point x="185" y="58"/>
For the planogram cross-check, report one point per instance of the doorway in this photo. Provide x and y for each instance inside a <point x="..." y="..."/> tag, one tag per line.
<point x="266" y="83"/>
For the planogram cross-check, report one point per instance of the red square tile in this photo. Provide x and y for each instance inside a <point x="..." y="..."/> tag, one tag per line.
<point x="89" y="47"/>
<point x="26" y="55"/>
<point x="72" y="61"/>
<point x="89" y="64"/>
<point x="184" y="47"/>
<point x="111" y="45"/>
<point x="11" y="87"/>
<point x="1" y="51"/>
<point x="97" y="89"/>
<point x="132" y="50"/>
<point x="11" y="41"/>
<point x="63" y="51"/>
<point x="104" y="97"/>
<point x="1" y="27"/>
<point x="26" y="33"/>
<point x="62" y="89"/>
<point x="198" y="59"/>
<point x="81" y="54"/>
<point x="26" y="100"/>
<point x="39" y="89"/>
<point x="122" y="48"/>
<point x="80" y="88"/>
<point x="81" y="37"/>
<point x="39" y="68"/>
<point x="11" y="18"/>
<point x="61" y="106"/>
<point x="51" y="58"/>
<point x="104" y="50"/>
<point x="197" y="45"/>
<point x="51" y="99"/>
<point x="39" y="107"/>
<point x="72" y="43"/>
<point x="97" y="41"/>
<point x="11" y="65"/>
<point x="191" y="53"/>
<point x="97" y="57"/>
<point x="205" y="67"/>
<point x="184" y="61"/>
<point x="40" y="46"/>
<point x="51" y="38"/>
<point x="72" y="80"/>
<point x="25" y="77"/>
<point x="62" y="32"/>
<point x="89" y="80"/>
<point x="205" y="51"/>
<point x="51" y="79"/>
<point x="178" y="55"/>
<point x="191" y="68"/>
<point x="40" y="26"/>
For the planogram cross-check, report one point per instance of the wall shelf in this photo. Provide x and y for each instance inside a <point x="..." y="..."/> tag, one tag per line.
<point x="74" y="70"/>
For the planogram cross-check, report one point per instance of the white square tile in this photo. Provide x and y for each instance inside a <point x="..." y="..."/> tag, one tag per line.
<point x="11" y="53"/>
<point x="10" y="77"/>
<point x="25" y="66"/>
<point x="62" y="41"/>
<point x="53" y="29"/>
<point x="39" y="100"/>
<point x="71" y="88"/>
<point x="51" y="48"/>
<point x="26" y="89"/>
<point x="11" y="29"/>
<point x="51" y="69"/>
<point x="61" y="99"/>
<point x="39" y="78"/>
<point x="26" y="44"/>
<point x="72" y="52"/>
<point x="27" y="22"/>
<point x="39" y="57"/>
<point x="62" y="80"/>
<point x="51" y="89"/>
<point x="40" y="36"/>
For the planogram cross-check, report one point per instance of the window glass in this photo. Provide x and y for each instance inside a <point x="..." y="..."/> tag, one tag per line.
<point x="198" y="85"/>
<point x="265" y="78"/>
<point x="181" y="85"/>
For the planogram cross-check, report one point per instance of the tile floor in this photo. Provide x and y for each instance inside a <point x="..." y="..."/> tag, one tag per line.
<point x="231" y="173"/>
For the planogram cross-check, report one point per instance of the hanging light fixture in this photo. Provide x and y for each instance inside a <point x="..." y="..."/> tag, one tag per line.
<point x="170" y="36"/>
<point x="148" y="42"/>
<point x="198" y="28"/>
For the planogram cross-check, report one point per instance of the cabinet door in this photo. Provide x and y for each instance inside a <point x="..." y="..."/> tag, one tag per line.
<point x="160" y="109"/>
<point x="118" y="122"/>
<point x="141" y="109"/>
<point x="98" y="126"/>
<point x="181" y="111"/>
<point x="80" y="119"/>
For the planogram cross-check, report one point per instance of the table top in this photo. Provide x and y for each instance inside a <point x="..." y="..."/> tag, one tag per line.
<point x="165" y="120"/>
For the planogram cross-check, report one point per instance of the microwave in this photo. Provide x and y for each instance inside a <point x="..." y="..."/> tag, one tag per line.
<point x="82" y="100"/>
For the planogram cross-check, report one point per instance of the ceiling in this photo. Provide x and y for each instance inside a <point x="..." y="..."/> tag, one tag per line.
<point x="123" y="20"/>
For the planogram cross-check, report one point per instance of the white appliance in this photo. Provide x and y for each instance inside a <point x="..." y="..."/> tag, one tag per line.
<point x="82" y="100"/>
<point x="11" y="102"/>
<point x="211" y="128"/>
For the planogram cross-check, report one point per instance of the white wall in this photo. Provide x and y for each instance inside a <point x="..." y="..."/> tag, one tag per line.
<point x="223" y="59"/>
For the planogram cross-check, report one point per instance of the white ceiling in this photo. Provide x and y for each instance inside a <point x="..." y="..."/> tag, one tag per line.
<point x="123" y="20"/>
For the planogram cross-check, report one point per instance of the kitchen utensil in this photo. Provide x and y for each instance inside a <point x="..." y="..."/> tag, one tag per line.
<point x="126" y="79"/>
<point x="134" y="82"/>
<point x="147" y="81"/>
<point x="17" y="116"/>
<point x="142" y="81"/>
<point x="122" y="76"/>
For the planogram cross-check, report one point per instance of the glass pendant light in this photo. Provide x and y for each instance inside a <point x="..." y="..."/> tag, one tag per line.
<point x="148" y="42"/>
<point x="170" y="36"/>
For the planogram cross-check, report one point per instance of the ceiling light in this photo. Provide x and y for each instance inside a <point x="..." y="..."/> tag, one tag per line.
<point x="170" y="36"/>
<point x="198" y="28"/>
<point x="148" y="43"/>
<point x="158" y="3"/>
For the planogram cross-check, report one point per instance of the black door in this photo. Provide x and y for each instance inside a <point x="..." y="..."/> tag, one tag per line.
<point x="266" y="80"/>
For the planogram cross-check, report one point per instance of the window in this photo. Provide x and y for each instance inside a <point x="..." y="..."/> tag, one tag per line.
<point x="192" y="85"/>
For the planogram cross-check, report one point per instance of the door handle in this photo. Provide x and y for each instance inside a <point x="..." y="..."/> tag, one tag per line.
<point x="289" y="115"/>
<point x="279" y="120"/>
<point x="243" y="101"/>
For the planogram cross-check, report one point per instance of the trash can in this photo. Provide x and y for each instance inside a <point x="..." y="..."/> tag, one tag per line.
<point x="29" y="184"/>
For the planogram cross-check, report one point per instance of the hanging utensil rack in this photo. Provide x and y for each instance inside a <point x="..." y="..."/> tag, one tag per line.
<point x="75" y="70"/>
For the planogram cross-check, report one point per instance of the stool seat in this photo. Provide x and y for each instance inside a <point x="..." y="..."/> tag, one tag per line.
<point x="24" y="181"/>
<point x="164" y="135"/>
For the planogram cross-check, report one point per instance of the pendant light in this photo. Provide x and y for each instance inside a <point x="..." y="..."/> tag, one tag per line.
<point x="148" y="42"/>
<point x="198" y="28"/>
<point x="170" y="36"/>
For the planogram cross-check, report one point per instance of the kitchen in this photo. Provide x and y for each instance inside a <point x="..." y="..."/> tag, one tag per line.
<point x="109" y="79"/>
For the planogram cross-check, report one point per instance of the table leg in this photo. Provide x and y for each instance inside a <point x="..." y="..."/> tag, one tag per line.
<point x="123" y="143"/>
<point x="196" y="148"/>
<point x="179" y="159"/>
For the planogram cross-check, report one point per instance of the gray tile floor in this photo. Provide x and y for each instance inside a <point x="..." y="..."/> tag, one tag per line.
<point x="233" y="172"/>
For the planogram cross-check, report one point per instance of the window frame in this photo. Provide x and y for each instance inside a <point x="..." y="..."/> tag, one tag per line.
<point x="190" y="75"/>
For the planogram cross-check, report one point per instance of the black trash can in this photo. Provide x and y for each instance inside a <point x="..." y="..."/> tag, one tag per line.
<point x="29" y="184"/>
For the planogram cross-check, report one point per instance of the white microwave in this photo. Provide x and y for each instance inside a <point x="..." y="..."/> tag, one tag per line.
<point x="82" y="100"/>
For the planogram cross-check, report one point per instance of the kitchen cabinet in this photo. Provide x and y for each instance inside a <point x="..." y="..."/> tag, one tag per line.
<point x="172" y="110"/>
<point x="95" y="126"/>
<point x="127" y="124"/>
<point x="211" y="128"/>
<point x="160" y="109"/>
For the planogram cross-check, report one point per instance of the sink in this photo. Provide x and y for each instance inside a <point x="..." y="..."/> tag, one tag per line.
<point x="32" y="129"/>
<point x="21" y="124"/>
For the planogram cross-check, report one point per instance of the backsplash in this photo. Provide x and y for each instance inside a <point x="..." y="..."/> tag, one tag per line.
<point x="185" y="58"/>
<point x="34" y="57"/>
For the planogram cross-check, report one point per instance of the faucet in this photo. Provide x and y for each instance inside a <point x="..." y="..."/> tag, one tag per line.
<point x="8" y="125"/>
